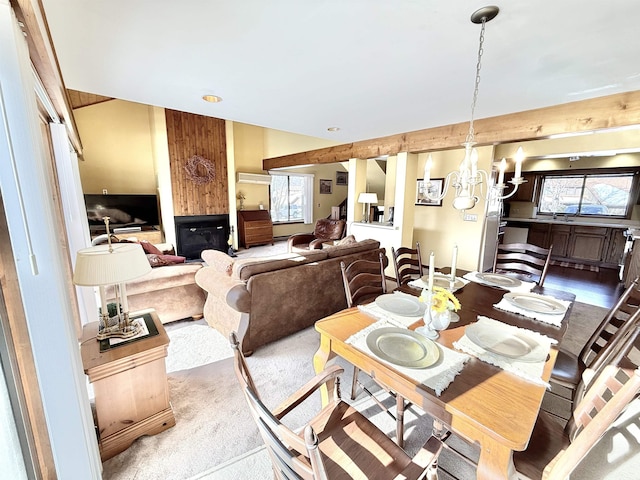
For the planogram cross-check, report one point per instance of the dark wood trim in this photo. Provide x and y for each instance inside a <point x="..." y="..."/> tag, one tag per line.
<point x="594" y="114"/>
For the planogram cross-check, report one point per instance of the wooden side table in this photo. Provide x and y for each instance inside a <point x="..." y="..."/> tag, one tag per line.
<point x="130" y="385"/>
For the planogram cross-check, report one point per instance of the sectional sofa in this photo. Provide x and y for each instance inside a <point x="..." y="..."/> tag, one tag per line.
<point x="265" y="299"/>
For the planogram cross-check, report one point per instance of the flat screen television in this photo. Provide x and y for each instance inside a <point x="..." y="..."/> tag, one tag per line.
<point x="123" y="211"/>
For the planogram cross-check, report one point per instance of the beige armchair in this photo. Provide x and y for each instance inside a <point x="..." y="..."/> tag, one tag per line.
<point x="326" y="230"/>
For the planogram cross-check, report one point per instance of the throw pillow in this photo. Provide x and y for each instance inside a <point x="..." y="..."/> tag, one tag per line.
<point x="149" y="247"/>
<point x="347" y="240"/>
<point x="162" y="260"/>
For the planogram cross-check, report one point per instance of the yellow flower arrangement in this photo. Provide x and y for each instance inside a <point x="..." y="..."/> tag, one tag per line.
<point x="441" y="300"/>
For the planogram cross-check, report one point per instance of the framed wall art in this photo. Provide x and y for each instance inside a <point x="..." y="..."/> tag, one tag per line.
<point x="326" y="186"/>
<point x="342" y="178"/>
<point x="435" y="188"/>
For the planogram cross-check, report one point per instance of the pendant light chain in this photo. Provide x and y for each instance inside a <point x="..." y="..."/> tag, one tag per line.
<point x="470" y="140"/>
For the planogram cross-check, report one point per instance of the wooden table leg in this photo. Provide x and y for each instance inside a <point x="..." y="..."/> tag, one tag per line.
<point x="400" y="420"/>
<point x="496" y="461"/>
<point x="320" y="360"/>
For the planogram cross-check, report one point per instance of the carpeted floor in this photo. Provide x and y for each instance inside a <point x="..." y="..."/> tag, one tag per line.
<point x="215" y="437"/>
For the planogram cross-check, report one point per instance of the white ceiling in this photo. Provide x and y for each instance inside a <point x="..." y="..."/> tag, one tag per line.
<point x="371" y="67"/>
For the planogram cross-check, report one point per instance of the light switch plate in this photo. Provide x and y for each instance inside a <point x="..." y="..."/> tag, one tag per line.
<point x="470" y="217"/>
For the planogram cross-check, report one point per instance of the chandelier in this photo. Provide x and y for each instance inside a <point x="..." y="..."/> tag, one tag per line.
<point x="469" y="177"/>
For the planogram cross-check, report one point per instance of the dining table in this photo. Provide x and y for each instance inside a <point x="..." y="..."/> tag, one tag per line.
<point x="484" y="404"/>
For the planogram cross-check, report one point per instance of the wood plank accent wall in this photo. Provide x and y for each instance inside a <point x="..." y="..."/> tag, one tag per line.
<point x="188" y="135"/>
<point x="594" y="114"/>
<point x="83" y="99"/>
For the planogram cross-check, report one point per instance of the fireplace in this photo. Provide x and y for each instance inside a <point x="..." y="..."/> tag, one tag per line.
<point x="201" y="232"/>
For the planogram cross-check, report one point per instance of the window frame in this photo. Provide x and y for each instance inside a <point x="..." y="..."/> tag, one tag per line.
<point x="306" y="176"/>
<point x="585" y="174"/>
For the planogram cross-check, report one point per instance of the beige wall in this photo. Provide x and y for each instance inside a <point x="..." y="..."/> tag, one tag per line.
<point x="248" y="141"/>
<point x="278" y="143"/>
<point x="118" y="148"/>
<point x="439" y="228"/>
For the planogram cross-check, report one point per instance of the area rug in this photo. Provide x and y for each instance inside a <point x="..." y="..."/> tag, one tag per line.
<point x="215" y="438"/>
<point x="577" y="266"/>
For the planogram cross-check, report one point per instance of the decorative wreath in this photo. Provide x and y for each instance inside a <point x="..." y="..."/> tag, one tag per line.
<point x="192" y="170"/>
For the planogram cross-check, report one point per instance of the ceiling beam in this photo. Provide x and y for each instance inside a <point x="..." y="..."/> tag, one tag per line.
<point x="594" y="114"/>
<point x="45" y="62"/>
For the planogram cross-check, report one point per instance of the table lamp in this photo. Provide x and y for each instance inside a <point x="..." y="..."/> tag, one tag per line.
<point x="367" y="199"/>
<point x="112" y="264"/>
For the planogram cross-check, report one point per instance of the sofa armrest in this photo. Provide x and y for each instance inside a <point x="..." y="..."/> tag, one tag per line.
<point x="232" y="291"/>
<point x="238" y="298"/>
<point x="318" y="243"/>
<point x="299" y="238"/>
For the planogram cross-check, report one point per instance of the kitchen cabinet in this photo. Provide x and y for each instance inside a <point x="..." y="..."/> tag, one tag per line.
<point x="615" y="246"/>
<point x="587" y="243"/>
<point x="526" y="191"/>
<point x="539" y="234"/>
<point x="601" y="246"/>
<point x="254" y="227"/>
<point x="559" y="237"/>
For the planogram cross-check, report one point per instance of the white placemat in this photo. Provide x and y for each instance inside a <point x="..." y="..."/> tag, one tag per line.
<point x="524" y="287"/>
<point x="374" y="311"/>
<point x="530" y="371"/>
<point x="419" y="283"/>
<point x="437" y="377"/>
<point x="555" y="320"/>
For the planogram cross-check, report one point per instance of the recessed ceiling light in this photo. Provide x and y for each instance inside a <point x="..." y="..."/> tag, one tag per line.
<point x="212" y="98"/>
<point x="333" y="129"/>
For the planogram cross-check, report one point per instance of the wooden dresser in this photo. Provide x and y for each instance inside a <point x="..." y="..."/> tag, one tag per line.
<point x="254" y="227"/>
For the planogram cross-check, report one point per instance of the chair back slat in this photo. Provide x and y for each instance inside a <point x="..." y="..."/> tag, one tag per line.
<point x="286" y="449"/>
<point x="599" y="345"/>
<point x="608" y="379"/>
<point x="614" y="387"/>
<point x="523" y="259"/>
<point x="363" y="280"/>
<point x="407" y="263"/>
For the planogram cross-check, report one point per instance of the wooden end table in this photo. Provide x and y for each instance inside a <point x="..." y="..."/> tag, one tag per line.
<point x="130" y="385"/>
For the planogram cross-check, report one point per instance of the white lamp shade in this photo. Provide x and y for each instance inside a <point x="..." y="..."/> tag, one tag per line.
<point x="97" y="266"/>
<point x="368" y="198"/>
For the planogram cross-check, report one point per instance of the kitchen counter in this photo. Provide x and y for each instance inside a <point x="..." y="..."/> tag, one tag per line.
<point x="575" y="221"/>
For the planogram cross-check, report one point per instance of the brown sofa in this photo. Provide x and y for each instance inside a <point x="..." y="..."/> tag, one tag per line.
<point x="171" y="290"/>
<point x="265" y="299"/>
<point x="169" y="287"/>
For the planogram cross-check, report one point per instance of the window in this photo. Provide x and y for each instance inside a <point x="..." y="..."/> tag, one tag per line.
<point x="291" y="197"/>
<point x="602" y="195"/>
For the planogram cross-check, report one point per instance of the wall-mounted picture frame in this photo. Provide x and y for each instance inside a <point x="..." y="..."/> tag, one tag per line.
<point x="326" y="186"/>
<point x="342" y="178"/>
<point x="435" y="188"/>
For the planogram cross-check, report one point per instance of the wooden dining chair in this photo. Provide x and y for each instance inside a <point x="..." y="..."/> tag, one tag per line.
<point x="407" y="263"/>
<point x="523" y="259"/>
<point x="337" y="443"/>
<point x="554" y="450"/>
<point x="567" y="377"/>
<point x="363" y="281"/>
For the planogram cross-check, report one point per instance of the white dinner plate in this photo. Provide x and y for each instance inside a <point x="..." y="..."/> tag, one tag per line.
<point x="404" y="305"/>
<point x="506" y="342"/>
<point x="442" y="280"/>
<point x="535" y="303"/>
<point x="498" y="280"/>
<point x="403" y="347"/>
